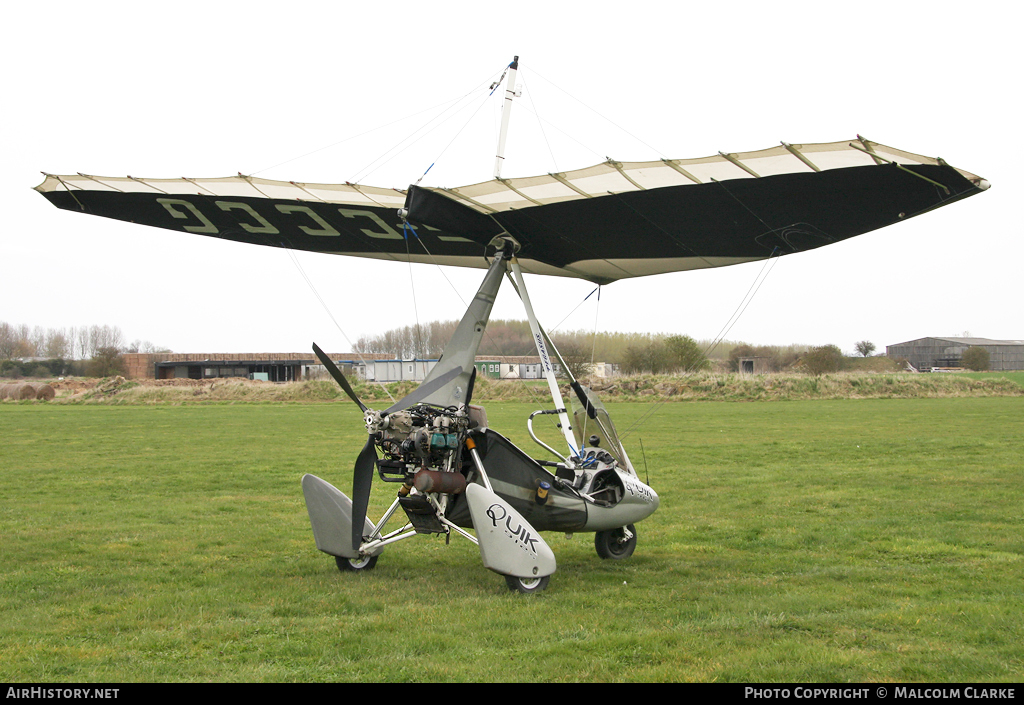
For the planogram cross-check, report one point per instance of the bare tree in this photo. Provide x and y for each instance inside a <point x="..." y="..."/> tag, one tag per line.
<point x="865" y="348"/>
<point x="37" y="341"/>
<point x="83" y="349"/>
<point x="57" y="345"/>
<point x="6" y="341"/>
<point x="576" y="358"/>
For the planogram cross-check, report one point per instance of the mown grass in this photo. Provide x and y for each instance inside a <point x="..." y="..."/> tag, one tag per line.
<point x="850" y="540"/>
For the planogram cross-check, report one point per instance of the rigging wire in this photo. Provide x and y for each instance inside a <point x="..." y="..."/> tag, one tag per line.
<point x="438" y="265"/>
<point x="772" y="258"/>
<point x="745" y="301"/>
<point x="603" y="117"/>
<point x="650" y="412"/>
<point x="363" y="134"/>
<point x="755" y="286"/>
<point x="487" y="333"/>
<point x="540" y="124"/>
<point x="597" y="288"/>
<point x="400" y="148"/>
<point x="483" y="102"/>
<point x="417" y="342"/>
<point x="593" y="352"/>
<point x="416" y="136"/>
<point x="597" y="309"/>
<point x="566" y="134"/>
<point x="312" y="287"/>
<point x="411" y="138"/>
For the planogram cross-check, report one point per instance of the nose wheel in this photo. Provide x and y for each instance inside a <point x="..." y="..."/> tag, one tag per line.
<point x="349" y="565"/>
<point x="527" y="586"/>
<point x="616" y="544"/>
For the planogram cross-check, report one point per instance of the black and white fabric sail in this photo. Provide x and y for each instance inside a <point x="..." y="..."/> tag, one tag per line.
<point x="610" y="221"/>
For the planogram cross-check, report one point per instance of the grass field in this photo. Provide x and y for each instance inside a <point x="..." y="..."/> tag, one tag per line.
<point x="1017" y="377"/>
<point x="838" y="540"/>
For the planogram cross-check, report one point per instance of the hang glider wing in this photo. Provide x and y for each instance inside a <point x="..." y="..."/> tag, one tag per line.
<point x="610" y="221"/>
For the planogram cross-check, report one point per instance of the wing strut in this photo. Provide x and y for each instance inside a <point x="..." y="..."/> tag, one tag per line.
<point x="545" y="359"/>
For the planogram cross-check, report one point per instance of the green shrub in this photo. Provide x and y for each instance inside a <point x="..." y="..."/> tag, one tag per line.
<point x="975" y="358"/>
<point x="823" y="359"/>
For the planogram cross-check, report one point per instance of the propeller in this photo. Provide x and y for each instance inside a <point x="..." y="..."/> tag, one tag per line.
<point x="362" y="480"/>
<point x="366" y="461"/>
<point x="338" y="376"/>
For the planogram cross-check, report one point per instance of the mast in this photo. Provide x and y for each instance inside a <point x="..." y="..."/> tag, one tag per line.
<point x="539" y="338"/>
<point x="506" y="110"/>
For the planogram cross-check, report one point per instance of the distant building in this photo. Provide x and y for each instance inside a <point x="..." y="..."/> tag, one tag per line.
<point x="273" y="367"/>
<point x="488" y="367"/>
<point x="753" y="365"/>
<point x="289" y="367"/>
<point x="927" y="353"/>
<point x="415" y="370"/>
<point x="522" y="367"/>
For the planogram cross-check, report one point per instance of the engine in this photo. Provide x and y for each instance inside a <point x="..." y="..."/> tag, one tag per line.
<point x="424" y="437"/>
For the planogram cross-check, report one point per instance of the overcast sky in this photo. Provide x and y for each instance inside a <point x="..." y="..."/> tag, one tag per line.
<point x="322" y="92"/>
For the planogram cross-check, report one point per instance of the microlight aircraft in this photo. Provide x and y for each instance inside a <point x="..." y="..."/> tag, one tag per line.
<point x="603" y="223"/>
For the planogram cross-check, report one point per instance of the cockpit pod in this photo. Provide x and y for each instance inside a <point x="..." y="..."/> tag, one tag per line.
<point x="617" y="497"/>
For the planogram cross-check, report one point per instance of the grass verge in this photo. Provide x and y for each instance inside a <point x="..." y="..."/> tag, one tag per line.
<point x="695" y="387"/>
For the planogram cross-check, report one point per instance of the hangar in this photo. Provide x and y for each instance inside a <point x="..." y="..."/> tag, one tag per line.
<point x="928" y="353"/>
<point x="290" y="367"/>
<point x="271" y="367"/>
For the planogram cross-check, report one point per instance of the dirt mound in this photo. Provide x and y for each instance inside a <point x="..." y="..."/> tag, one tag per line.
<point x="72" y="385"/>
<point x="191" y="382"/>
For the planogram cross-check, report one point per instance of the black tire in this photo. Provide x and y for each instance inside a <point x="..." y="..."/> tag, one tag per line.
<point x="614" y="545"/>
<point x="527" y="586"/>
<point x="350" y="565"/>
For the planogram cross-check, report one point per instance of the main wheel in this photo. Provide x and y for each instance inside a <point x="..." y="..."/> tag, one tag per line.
<point x="527" y="585"/>
<point x="614" y="544"/>
<point x="346" y="565"/>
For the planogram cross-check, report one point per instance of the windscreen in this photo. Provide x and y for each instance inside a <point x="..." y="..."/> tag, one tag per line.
<point x="596" y="421"/>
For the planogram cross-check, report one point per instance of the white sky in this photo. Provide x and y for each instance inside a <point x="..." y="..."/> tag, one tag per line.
<point x="204" y="89"/>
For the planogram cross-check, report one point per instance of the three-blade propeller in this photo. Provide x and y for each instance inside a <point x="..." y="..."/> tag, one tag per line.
<point x="366" y="461"/>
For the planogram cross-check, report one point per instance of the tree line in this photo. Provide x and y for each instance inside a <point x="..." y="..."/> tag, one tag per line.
<point x="93" y="350"/>
<point x="97" y="349"/>
<point x="633" y="352"/>
<point x="514" y="337"/>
